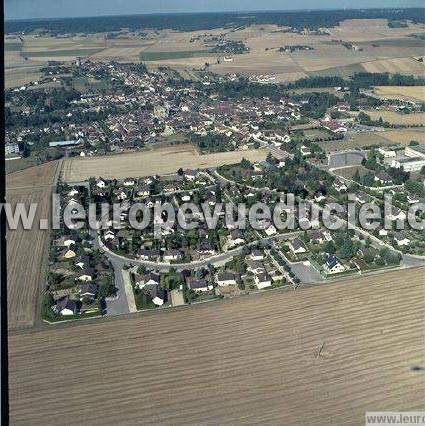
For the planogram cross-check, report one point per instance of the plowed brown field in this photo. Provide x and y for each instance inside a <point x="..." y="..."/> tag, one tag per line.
<point x="321" y="355"/>
<point x="27" y="249"/>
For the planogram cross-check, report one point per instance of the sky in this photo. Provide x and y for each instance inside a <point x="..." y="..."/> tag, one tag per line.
<point x="29" y="9"/>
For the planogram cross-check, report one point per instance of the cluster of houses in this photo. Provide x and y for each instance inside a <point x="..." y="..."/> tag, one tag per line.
<point x="79" y="271"/>
<point x="158" y="106"/>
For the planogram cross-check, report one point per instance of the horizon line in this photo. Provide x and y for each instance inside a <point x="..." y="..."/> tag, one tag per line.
<point x="211" y="12"/>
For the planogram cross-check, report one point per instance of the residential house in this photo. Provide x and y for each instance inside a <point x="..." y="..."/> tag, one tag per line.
<point x="401" y="239"/>
<point x="66" y="307"/>
<point x="320" y="237"/>
<point x="282" y="137"/>
<point x="383" y="178"/>
<point x="271" y="230"/>
<point x="297" y="246"/>
<point x="85" y="275"/>
<point x="143" y="191"/>
<point x="305" y="151"/>
<point x="88" y="291"/>
<point x="109" y="235"/>
<point x="199" y="285"/>
<point x="148" y="279"/>
<point x="172" y="255"/>
<point x="156" y="293"/>
<point x="256" y="268"/>
<point x="205" y="250"/>
<point x="235" y="238"/>
<point x="100" y="183"/>
<point x="397" y="214"/>
<point x="190" y="174"/>
<point x="65" y="241"/>
<point x="382" y="231"/>
<point x="68" y="253"/>
<point x="360" y="198"/>
<point x="412" y="199"/>
<point x="130" y="181"/>
<point x="150" y="255"/>
<point x="257" y="255"/>
<point x="339" y="185"/>
<point x="364" y="251"/>
<point x="333" y="265"/>
<point x="82" y="261"/>
<point x="226" y="278"/>
<point x="262" y="280"/>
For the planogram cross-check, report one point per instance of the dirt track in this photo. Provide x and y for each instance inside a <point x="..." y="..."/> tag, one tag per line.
<point x="321" y="355"/>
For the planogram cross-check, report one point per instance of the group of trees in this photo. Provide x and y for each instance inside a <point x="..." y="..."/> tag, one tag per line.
<point x="359" y="80"/>
<point x="206" y="21"/>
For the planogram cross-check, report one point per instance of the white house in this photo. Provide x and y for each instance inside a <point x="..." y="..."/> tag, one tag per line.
<point x="297" y="246"/>
<point x="282" y="138"/>
<point x="235" y="238"/>
<point x="156" y="292"/>
<point x="129" y="182"/>
<point x="86" y="275"/>
<point x="109" y="235"/>
<point x="100" y="183"/>
<point x="66" y="307"/>
<point x="172" y="255"/>
<point x="226" y="278"/>
<point x="262" y="280"/>
<point x="305" y="151"/>
<point x="141" y="281"/>
<point x="339" y="185"/>
<point x="190" y="174"/>
<point x="257" y="255"/>
<point x="271" y="230"/>
<point x="333" y="265"/>
<point x="412" y="199"/>
<point x="401" y="240"/>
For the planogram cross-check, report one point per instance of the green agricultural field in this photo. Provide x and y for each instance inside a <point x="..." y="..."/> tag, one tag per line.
<point x="83" y="83"/>
<point x="359" y="140"/>
<point x="313" y="134"/>
<point x="163" y="56"/>
<point x="12" y="47"/>
<point x="343" y="71"/>
<point x="21" y="164"/>
<point x="60" y="53"/>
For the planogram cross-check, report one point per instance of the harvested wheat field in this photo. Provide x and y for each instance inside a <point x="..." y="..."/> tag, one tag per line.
<point x="411" y="93"/>
<point x="33" y="177"/>
<point x="412" y="119"/>
<point x="404" y="136"/>
<point x="321" y="355"/>
<point x="358" y="140"/>
<point x="159" y="162"/>
<point x="27" y="249"/>
<point x="395" y="65"/>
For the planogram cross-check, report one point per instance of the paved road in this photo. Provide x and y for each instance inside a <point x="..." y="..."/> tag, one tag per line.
<point x="119" y="304"/>
<point x="218" y="259"/>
